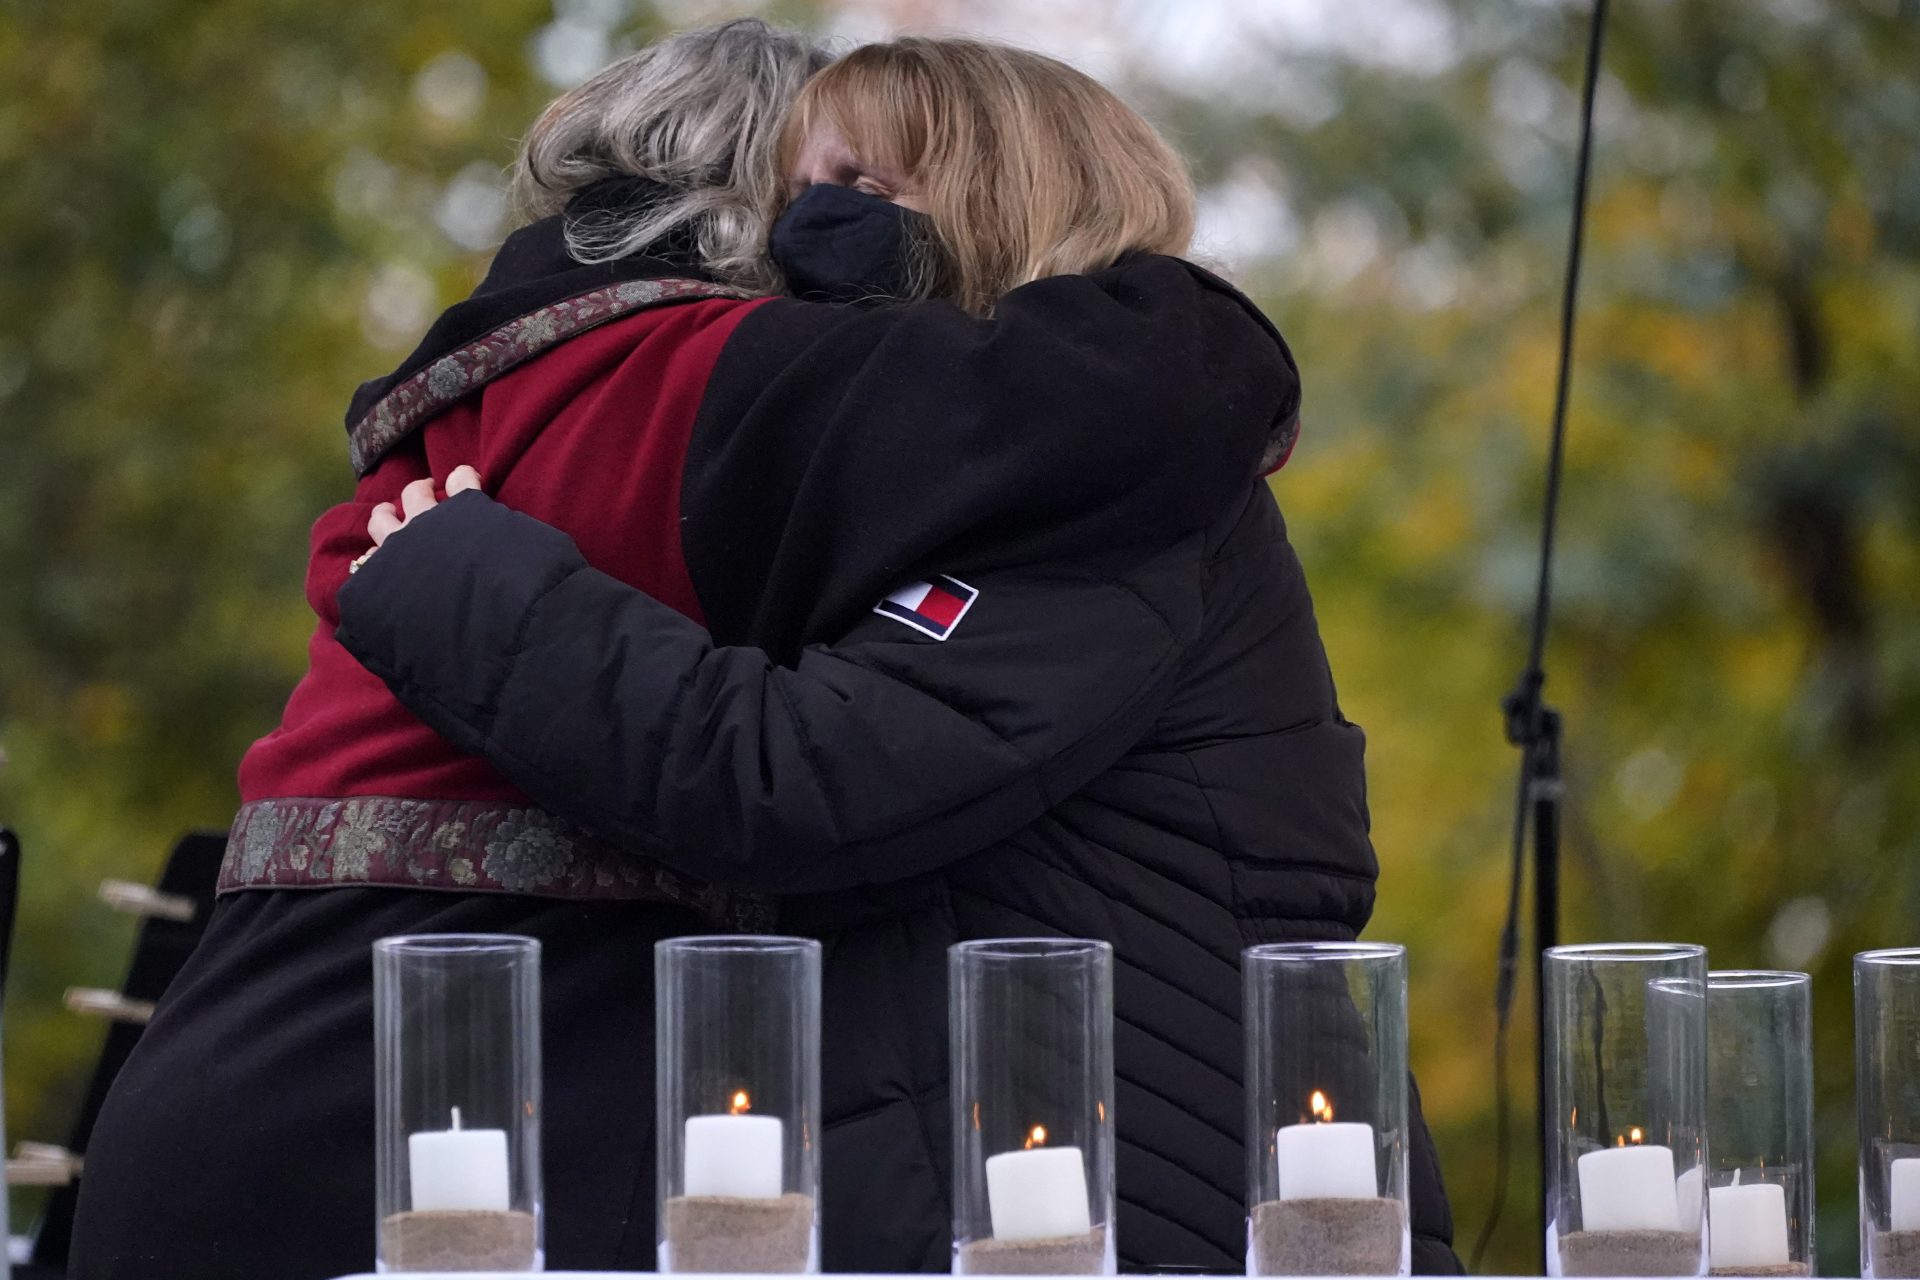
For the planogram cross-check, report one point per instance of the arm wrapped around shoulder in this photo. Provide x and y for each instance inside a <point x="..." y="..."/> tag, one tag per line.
<point x="877" y="757"/>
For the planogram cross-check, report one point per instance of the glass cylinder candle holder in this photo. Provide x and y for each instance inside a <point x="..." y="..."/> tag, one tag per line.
<point x="1886" y="1025"/>
<point x="737" y="1041"/>
<point x="1031" y="1021"/>
<point x="457" y="1102"/>
<point x="1326" y="1033"/>
<point x="1626" y="1031"/>
<point x="1760" y="1123"/>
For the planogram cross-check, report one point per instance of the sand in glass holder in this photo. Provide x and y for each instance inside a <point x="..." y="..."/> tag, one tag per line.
<point x="737" y="1039"/>
<point x="1760" y="1123"/>
<point x="457" y="1102"/>
<point x="1886" y="1023"/>
<point x="1031" y="1023"/>
<point x="1326" y="1070"/>
<point x="1626" y="1031"/>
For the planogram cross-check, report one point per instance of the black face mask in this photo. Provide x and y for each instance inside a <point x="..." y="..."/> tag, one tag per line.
<point x="835" y="244"/>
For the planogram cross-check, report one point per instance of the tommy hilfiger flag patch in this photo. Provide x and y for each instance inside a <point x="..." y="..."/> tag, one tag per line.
<point x="932" y="608"/>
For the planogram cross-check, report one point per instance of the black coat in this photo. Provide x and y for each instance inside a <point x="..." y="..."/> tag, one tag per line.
<point x="1132" y="734"/>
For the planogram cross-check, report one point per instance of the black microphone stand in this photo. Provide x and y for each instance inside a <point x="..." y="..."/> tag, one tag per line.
<point x="1534" y="727"/>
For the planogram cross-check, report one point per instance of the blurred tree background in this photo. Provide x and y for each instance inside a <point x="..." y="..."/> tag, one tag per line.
<point x="220" y="215"/>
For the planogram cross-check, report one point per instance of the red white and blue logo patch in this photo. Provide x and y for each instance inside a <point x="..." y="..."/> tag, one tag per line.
<point x="931" y="608"/>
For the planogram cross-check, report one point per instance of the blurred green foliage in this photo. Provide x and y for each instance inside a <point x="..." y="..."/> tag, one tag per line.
<point x="1737" y="638"/>
<point x="222" y="214"/>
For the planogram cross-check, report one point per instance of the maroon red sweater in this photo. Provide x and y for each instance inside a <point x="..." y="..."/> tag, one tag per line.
<point x="590" y="437"/>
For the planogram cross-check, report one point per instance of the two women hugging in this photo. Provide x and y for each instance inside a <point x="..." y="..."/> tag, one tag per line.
<point x="859" y="531"/>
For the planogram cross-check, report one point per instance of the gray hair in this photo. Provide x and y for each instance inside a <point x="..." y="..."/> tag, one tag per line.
<point x="698" y="112"/>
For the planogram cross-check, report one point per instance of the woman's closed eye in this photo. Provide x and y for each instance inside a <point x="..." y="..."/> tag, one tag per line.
<point x="825" y="158"/>
<point x="855" y="179"/>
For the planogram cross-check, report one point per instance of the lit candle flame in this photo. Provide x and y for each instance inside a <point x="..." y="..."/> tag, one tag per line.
<point x="1635" y="1136"/>
<point x="1037" y="1138"/>
<point x="1321" y="1109"/>
<point x="741" y="1102"/>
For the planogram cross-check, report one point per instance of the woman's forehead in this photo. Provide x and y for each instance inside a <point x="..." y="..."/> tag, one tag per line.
<point x="824" y="150"/>
<point x="823" y="144"/>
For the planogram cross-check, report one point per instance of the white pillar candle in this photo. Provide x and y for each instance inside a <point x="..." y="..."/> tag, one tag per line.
<point x="1690" y="1188"/>
<point x="1629" y="1189"/>
<point x="1903" y="1195"/>
<point x="459" y="1169"/>
<point x="1039" y="1194"/>
<point x="741" y="1156"/>
<point x="1333" y="1161"/>
<point x="1748" y="1225"/>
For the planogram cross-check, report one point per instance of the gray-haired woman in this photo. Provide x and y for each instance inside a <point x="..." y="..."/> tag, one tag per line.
<point x="239" y="1140"/>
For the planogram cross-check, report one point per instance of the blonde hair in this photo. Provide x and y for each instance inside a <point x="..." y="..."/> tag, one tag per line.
<point x="1026" y="167"/>
<point x="699" y="113"/>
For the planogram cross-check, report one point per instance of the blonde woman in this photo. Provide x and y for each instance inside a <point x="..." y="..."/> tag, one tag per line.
<point x="940" y="620"/>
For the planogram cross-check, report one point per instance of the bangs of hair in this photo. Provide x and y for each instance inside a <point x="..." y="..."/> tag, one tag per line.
<point x="1026" y="167"/>
<point x="880" y="106"/>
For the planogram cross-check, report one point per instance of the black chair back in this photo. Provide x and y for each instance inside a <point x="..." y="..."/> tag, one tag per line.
<point x="160" y="951"/>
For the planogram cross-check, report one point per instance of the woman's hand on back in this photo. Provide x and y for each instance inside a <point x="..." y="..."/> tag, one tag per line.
<point x="415" y="500"/>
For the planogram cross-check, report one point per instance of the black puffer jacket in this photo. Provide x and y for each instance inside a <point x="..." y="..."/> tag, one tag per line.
<point x="1141" y="745"/>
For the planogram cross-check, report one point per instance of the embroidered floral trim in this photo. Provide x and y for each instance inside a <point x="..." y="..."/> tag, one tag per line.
<point x="471" y="367"/>
<point x="460" y="845"/>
